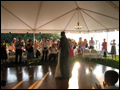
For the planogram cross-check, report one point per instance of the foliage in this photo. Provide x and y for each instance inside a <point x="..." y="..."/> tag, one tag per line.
<point x="8" y="37"/>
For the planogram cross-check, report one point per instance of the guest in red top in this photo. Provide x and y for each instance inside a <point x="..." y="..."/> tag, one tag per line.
<point x="104" y="48"/>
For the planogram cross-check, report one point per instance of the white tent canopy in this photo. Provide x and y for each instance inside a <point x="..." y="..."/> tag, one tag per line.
<point x="57" y="16"/>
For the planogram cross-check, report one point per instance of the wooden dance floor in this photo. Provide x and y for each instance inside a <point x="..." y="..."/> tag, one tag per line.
<point x="82" y="76"/>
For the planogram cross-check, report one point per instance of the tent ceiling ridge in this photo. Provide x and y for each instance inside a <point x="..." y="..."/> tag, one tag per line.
<point x="84" y="21"/>
<point x="100" y="13"/>
<point x="56" y="18"/>
<point x="70" y="20"/>
<point x="16" y="16"/>
<point x="94" y="19"/>
<point x="38" y="14"/>
<point x="113" y="5"/>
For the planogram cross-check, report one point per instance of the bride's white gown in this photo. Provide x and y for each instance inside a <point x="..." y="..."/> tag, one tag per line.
<point x="57" y="71"/>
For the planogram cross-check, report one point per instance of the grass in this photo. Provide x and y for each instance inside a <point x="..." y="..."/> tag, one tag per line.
<point x="107" y="62"/>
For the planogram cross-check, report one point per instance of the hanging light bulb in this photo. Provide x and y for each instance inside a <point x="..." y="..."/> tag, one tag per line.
<point x="78" y="26"/>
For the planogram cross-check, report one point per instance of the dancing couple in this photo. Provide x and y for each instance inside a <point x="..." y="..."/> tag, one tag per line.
<point x="62" y="68"/>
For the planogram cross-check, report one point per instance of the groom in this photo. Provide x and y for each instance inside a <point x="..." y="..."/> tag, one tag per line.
<point x="64" y="55"/>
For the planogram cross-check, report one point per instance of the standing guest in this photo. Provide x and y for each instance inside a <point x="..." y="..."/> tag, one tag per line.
<point x="14" y="41"/>
<point x="91" y="43"/>
<point x="80" y="48"/>
<point x="75" y="44"/>
<point x="53" y="42"/>
<point x="85" y="44"/>
<point x="104" y="48"/>
<point x="35" y="45"/>
<point x="3" y="51"/>
<point x="45" y="48"/>
<point x="29" y="48"/>
<point x="58" y="42"/>
<point x="18" y="46"/>
<point x="113" y="48"/>
<point x="23" y="49"/>
<point x="40" y="44"/>
<point x="80" y="43"/>
<point x="71" y="54"/>
<point x="50" y="42"/>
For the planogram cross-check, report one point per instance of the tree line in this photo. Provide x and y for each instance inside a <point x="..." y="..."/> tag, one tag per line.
<point x="8" y="37"/>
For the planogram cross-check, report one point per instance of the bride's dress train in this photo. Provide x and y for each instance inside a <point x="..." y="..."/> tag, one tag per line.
<point x="58" y="71"/>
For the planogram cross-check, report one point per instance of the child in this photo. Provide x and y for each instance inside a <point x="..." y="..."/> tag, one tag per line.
<point x="29" y="48"/>
<point x="110" y="78"/>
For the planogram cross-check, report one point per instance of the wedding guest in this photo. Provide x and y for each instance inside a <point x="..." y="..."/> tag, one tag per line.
<point x="104" y="48"/>
<point x="12" y="47"/>
<point x="18" y="46"/>
<point x="53" y="52"/>
<point x="71" y="54"/>
<point x="85" y="44"/>
<point x="80" y="43"/>
<point x="75" y="44"/>
<point x="50" y="42"/>
<point x="58" y="42"/>
<point x="113" y="48"/>
<point x="45" y="47"/>
<point x="3" y="51"/>
<point x="35" y="45"/>
<point x="110" y="79"/>
<point x="14" y="41"/>
<point x="29" y="48"/>
<point x="91" y="43"/>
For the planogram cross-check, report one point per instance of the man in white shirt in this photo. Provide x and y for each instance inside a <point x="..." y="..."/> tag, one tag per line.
<point x="45" y="45"/>
<point x="91" y="43"/>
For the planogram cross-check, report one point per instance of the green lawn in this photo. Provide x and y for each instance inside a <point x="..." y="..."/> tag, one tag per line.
<point x="107" y="62"/>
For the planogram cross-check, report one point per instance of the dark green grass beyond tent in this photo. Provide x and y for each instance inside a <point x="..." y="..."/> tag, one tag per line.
<point x="107" y="62"/>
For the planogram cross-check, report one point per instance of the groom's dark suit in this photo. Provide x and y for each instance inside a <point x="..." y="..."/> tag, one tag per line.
<point x="64" y="57"/>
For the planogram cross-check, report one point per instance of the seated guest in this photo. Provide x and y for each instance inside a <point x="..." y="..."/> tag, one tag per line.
<point x="11" y="47"/>
<point x="53" y="52"/>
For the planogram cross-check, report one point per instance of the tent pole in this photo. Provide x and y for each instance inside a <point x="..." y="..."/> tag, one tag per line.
<point x="33" y="35"/>
<point x="107" y="37"/>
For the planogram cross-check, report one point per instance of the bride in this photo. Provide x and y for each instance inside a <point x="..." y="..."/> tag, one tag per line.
<point x="58" y="71"/>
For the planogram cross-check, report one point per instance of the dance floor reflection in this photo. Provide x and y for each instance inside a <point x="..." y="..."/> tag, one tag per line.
<point x="82" y="76"/>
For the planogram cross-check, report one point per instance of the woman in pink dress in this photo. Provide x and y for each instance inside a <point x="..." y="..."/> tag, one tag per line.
<point x="71" y="54"/>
